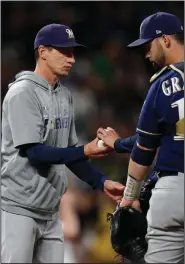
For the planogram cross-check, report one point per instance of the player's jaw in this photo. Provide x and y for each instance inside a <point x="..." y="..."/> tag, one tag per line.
<point x="155" y="54"/>
<point x="158" y="61"/>
<point x="61" y="61"/>
<point x="63" y="69"/>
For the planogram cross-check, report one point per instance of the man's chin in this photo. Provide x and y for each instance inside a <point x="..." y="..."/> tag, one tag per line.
<point x="64" y="73"/>
<point x="156" y="66"/>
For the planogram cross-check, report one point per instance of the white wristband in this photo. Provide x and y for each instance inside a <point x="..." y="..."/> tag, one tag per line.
<point x="133" y="188"/>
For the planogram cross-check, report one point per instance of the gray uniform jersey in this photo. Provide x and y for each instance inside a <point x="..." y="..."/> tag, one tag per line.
<point x="34" y="112"/>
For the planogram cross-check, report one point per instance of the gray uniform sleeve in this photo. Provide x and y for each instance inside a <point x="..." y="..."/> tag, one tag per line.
<point x="73" y="140"/>
<point x="25" y="118"/>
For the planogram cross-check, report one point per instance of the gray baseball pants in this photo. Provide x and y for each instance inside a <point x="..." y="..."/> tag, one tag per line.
<point x="165" y="218"/>
<point x="28" y="240"/>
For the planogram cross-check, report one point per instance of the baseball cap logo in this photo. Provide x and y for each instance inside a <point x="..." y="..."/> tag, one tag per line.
<point x="158" y="31"/>
<point x="70" y="33"/>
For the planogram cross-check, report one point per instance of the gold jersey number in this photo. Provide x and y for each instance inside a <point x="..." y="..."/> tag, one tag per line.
<point x="180" y="124"/>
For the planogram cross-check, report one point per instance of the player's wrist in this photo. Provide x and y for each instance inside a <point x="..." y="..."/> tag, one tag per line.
<point x="112" y="144"/>
<point x="86" y="150"/>
<point x="133" y="188"/>
<point x="117" y="147"/>
<point x="102" y="182"/>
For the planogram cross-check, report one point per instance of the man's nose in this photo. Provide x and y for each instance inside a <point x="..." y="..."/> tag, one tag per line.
<point x="72" y="59"/>
<point x="147" y="55"/>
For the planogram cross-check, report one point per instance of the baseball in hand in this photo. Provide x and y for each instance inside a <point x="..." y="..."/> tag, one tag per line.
<point x="101" y="144"/>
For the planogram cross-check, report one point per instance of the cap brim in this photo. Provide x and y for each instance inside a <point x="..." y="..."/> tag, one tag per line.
<point x="69" y="45"/>
<point x="80" y="45"/>
<point x="139" y="42"/>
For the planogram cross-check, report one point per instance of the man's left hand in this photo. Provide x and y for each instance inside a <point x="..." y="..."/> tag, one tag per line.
<point x="125" y="202"/>
<point x="114" y="190"/>
<point x="135" y="204"/>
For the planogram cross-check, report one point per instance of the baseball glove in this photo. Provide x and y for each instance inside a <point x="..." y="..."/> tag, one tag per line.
<point x="128" y="229"/>
<point x="128" y="226"/>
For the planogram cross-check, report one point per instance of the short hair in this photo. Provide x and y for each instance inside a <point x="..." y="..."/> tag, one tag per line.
<point x="179" y="37"/>
<point x="37" y="52"/>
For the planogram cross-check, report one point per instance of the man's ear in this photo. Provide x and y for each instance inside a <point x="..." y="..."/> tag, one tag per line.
<point x="42" y="52"/>
<point x="166" y="40"/>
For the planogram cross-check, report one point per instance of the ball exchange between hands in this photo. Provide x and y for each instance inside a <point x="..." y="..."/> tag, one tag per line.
<point x="101" y="144"/>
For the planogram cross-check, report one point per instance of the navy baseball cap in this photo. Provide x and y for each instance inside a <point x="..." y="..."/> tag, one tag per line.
<point x="155" y="26"/>
<point x="56" y="35"/>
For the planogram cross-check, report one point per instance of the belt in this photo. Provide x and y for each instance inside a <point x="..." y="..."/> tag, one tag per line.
<point x="167" y="173"/>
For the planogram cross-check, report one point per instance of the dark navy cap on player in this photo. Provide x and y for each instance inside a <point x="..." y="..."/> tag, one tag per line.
<point x="157" y="25"/>
<point x="56" y="35"/>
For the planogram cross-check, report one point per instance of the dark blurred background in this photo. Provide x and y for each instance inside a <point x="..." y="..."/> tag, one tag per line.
<point x="108" y="82"/>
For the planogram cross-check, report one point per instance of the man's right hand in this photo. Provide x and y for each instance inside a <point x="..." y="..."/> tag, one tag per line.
<point x="108" y="135"/>
<point x="92" y="150"/>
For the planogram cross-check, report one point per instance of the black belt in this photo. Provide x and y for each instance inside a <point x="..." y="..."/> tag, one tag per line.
<point x="167" y="173"/>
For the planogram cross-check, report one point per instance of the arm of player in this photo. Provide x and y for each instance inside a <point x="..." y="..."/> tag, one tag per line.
<point x="86" y="172"/>
<point x="74" y="159"/>
<point x="32" y="124"/>
<point x="125" y="145"/>
<point x="40" y="154"/>
<point x="112" y="139"/>
<point x="144" y="150"/>
<point x="136" y="176"/>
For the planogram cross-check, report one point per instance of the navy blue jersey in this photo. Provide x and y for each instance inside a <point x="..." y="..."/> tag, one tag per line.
<point x="162" y="117"/>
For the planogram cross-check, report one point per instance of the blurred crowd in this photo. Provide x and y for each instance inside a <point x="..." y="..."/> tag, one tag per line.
<point x="108" y="82"/>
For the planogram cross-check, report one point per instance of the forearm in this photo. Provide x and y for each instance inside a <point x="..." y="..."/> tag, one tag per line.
<point x="137" y="171"/>
<point x="140" y="161"/>
<point x="125" y="145"/>
<point x="135" y="179"/>
<point x="40" y="154"/>
<point x="86" y="172"/>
